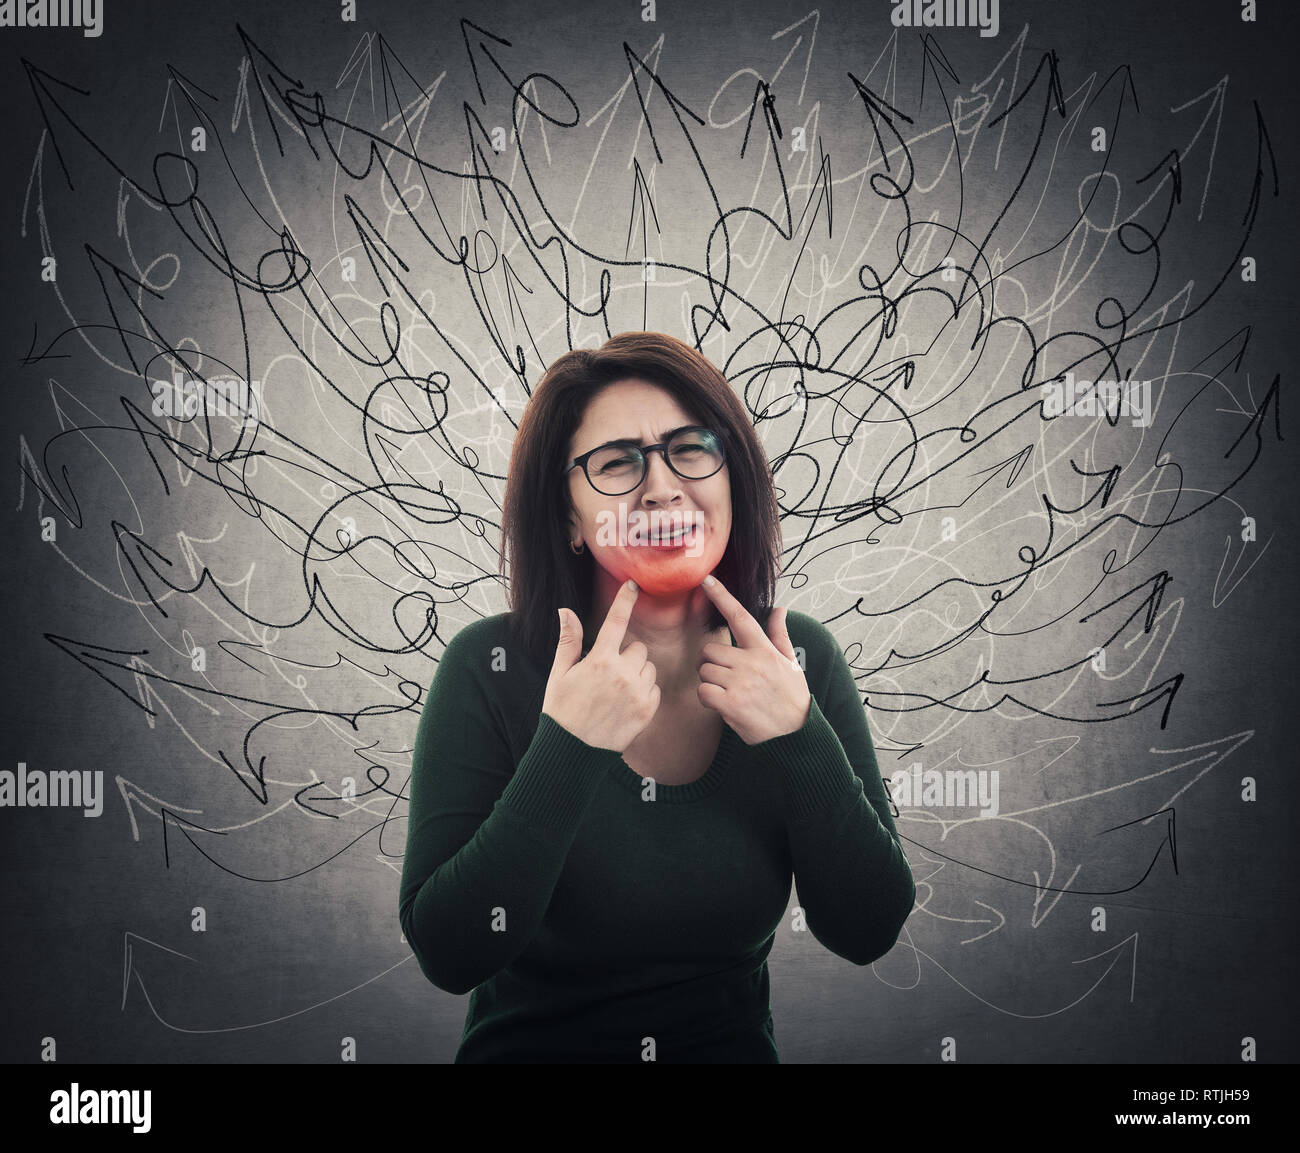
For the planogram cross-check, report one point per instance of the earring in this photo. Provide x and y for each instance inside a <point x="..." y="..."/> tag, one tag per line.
<point x="576" y="551"/>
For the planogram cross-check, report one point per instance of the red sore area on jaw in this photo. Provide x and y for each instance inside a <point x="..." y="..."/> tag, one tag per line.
<point x="658" y="580"/>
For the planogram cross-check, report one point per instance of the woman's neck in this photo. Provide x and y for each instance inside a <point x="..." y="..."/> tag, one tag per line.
<point x="673" y="629"/>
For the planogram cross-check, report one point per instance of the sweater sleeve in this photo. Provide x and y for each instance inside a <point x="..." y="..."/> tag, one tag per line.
<point x="486" y="839"/>
<point x="853" y="879"/>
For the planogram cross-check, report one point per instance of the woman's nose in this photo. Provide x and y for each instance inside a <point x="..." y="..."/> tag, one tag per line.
<point x="662" y="485"/>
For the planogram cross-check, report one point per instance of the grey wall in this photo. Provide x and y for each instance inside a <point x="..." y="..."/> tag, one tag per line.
<point x="969" y="554"/>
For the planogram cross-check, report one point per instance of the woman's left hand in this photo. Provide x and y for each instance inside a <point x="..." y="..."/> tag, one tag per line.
<point x="756" y="684"/>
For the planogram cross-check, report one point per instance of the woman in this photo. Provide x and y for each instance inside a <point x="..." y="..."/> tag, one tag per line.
<point x="607" y="806"/>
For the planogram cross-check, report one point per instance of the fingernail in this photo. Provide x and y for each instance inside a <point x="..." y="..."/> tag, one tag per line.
<point x="708" y="580"/>
<point x="631" y="583"/>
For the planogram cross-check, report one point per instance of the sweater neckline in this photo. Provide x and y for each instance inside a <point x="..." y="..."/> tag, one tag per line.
<point x="695" y="790"/>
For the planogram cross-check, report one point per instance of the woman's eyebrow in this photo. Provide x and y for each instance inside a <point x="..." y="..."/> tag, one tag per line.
<point x="672" y="432"/>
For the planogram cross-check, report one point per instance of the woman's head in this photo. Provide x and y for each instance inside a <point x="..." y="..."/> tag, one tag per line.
<point x="638" y="387"/>
<point x="661" y="518"/>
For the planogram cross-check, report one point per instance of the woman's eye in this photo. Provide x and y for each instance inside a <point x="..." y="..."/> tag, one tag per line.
<point x="619" y="462"/>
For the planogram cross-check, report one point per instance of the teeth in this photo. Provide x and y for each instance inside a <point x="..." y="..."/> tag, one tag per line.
<point x="680" y="535"/>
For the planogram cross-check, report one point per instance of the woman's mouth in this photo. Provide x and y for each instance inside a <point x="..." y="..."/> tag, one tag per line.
<point x="680" y="537"/>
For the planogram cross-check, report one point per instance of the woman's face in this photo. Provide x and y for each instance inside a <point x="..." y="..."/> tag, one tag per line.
<point x="632" y="535"/>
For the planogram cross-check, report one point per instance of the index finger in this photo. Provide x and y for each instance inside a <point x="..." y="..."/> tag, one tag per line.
<point x="747" y="631"/>
<point x="614" y="627"/>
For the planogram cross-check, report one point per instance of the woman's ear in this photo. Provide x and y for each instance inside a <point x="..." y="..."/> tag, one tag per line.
<point x="573" y="526"/>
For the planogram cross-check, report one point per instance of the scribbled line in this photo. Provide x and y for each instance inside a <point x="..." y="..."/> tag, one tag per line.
<point x="129" y="970"/>
<point x="1133" y="937"/>
<point x="103" y="657"/>
<point x="875" y="348"/>
<point x="1037" y="886"/>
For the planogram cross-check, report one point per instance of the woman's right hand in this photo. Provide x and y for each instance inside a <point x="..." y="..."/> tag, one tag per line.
<point x="606" y="698"/>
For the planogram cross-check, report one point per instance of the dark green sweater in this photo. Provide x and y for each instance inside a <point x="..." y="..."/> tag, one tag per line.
<point x="588" y="919"/>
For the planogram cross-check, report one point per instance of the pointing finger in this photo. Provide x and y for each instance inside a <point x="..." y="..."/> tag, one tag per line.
<point x="747" y="631"/>
<point x="614" y="628"/>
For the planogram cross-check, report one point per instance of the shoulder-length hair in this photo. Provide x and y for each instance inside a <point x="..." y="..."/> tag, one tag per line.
<point x="545" y="575"/>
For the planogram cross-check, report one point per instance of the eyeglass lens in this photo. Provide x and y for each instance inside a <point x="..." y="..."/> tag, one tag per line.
<point x="692" y="453"/>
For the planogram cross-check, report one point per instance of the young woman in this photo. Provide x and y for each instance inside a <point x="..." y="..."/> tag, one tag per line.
<point x="613" y="783"/>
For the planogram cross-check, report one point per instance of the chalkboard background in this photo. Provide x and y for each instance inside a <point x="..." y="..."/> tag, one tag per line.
<point x="237" y="625"/>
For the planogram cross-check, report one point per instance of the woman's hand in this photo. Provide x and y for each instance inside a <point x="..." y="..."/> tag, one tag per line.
<point x="606" y="698"/>
<point x="756" y="684"/>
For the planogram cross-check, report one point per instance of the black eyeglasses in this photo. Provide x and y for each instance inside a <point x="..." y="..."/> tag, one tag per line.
<point x="618" y="467"/>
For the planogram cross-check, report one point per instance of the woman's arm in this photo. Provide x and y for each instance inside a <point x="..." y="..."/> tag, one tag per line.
<point x="485" y="840"/>
<point x="854" y="883"/>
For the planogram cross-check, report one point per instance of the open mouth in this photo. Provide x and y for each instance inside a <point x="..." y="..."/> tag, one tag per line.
<point x="678" y="538"/>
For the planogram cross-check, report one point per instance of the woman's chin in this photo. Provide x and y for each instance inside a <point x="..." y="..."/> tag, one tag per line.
<point x="664" y="574"/>
<point x="658" y="584"/>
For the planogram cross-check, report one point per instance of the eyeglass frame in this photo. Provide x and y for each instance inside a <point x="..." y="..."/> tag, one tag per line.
<point x="646" y="450"/>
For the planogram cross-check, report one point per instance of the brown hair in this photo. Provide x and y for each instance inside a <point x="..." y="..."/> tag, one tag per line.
<point x="545" y="575"/>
